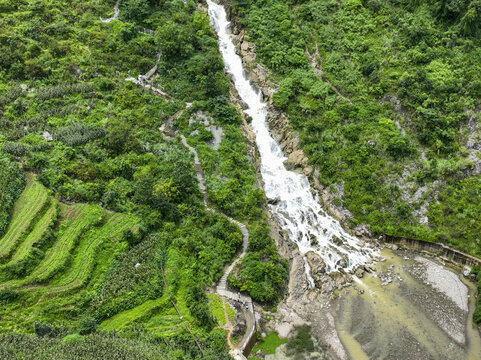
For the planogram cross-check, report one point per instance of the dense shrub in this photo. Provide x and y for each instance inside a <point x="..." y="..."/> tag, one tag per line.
<point x="301" y="342"/>
<point x="78" y="134"/>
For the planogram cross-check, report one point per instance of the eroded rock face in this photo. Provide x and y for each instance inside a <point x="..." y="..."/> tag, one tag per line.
<point x="315" y="262"/>
<point x="295" y="160"/>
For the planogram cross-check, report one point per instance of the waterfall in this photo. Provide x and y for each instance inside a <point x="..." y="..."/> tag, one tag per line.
<point x="297" y="210"/>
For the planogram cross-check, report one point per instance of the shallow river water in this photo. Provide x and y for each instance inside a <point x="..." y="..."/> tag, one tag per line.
<point x="415" y="316"/>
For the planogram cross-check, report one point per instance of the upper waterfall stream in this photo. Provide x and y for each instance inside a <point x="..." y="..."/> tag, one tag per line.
<point x="297" y="209"/>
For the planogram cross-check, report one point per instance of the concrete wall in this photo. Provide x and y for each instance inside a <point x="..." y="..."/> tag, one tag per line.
<point x="250" y="340"/>
<point x="444" y="251"/>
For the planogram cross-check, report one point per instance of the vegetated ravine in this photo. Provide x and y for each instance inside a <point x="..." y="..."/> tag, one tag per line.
<point x="297" y="210"/>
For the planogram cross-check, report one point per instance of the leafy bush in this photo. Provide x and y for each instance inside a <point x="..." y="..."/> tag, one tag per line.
<point x="78" y="134"/>
<point x="45" y="330"/>
<point x="301" y="342"/>
<point x="87" y="325"/>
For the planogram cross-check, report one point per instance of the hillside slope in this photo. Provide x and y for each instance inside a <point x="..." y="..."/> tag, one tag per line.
<point x="111" y="232"/>
<point x="386" y="98"/>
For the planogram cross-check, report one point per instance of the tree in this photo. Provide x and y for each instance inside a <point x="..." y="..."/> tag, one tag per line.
<point x="175" y="41"/>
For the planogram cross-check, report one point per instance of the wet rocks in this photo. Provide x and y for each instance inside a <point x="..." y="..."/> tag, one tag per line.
<point x="359" y="272"/>
<point x="342" y="262"/>
<point x="295" y="160"/>
<point x="363" y="231"/>
<point x="369" y="268"/>
<point x="337" y="240"/>
<point x="388" y="276"/>
<point x="316" y="263"/>
<point x="273" y="201"/>
<point x="338" y="279"/>
<point x="318" y="268"/>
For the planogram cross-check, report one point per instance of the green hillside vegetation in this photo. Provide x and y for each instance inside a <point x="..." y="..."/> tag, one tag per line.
<point x="137" y="344"/>
<point x="11" y="185"/>
<point x="384" y="161"/>
<point x="122" y="204"/>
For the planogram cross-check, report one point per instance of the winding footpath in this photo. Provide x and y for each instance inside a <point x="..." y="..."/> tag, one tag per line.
<point x="237" y="351"/>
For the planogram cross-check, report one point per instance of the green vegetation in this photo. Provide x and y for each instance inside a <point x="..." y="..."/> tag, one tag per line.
<point x="26" y="210"/>
<point x="11" y="185"/>
<point x="381" y="93"/>
<point x="269" y="344"/>
<point x="79" y="220"/>
<point x="111" y="207"/>
<point x="216" y="308"/>
<point x="231" y="186"/>
<point x="301" y="345"/>
<point x="136" y="344"/>
<point x="477" y="312"/>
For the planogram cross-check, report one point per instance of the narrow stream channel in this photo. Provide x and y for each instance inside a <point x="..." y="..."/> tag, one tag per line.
<point x="297" y="209"/>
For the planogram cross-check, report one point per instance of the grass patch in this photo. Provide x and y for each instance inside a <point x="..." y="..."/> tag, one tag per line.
<point x="269" y="344"/>
<point x="216" y="308"/>
<point x="25" y="213"/>
<point x="128" y="317"/>
<point x="230" y="312"/>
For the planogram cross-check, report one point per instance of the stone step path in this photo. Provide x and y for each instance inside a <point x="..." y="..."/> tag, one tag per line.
<point x="236" y="351"/>
<point x="116" y="13"/>
<point x="221" y="289"/>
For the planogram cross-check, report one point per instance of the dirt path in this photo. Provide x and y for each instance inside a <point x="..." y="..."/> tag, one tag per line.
<point x="116" y="13"/>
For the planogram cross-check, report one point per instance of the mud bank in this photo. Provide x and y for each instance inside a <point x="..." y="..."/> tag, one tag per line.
<point x="412" y="307"/>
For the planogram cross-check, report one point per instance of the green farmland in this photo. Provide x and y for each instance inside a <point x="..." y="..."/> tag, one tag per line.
<point x="53" y="248"/>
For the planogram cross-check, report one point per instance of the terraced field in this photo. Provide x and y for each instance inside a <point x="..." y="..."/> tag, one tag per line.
<point x="28" y="207"/>
<point x="35" y="235"/>
<point x="80" y="219"/>
<point x="85" y="253"/>
<point x="162" y="317"/>
<point x="52" y="248"/>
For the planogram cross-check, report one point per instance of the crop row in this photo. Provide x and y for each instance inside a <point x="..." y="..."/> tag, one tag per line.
<point x="26" y="211"/>
<point x="86" y="252"/>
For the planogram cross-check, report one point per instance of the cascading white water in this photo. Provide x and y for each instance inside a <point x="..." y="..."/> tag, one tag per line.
<point x="297" y="209"/>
